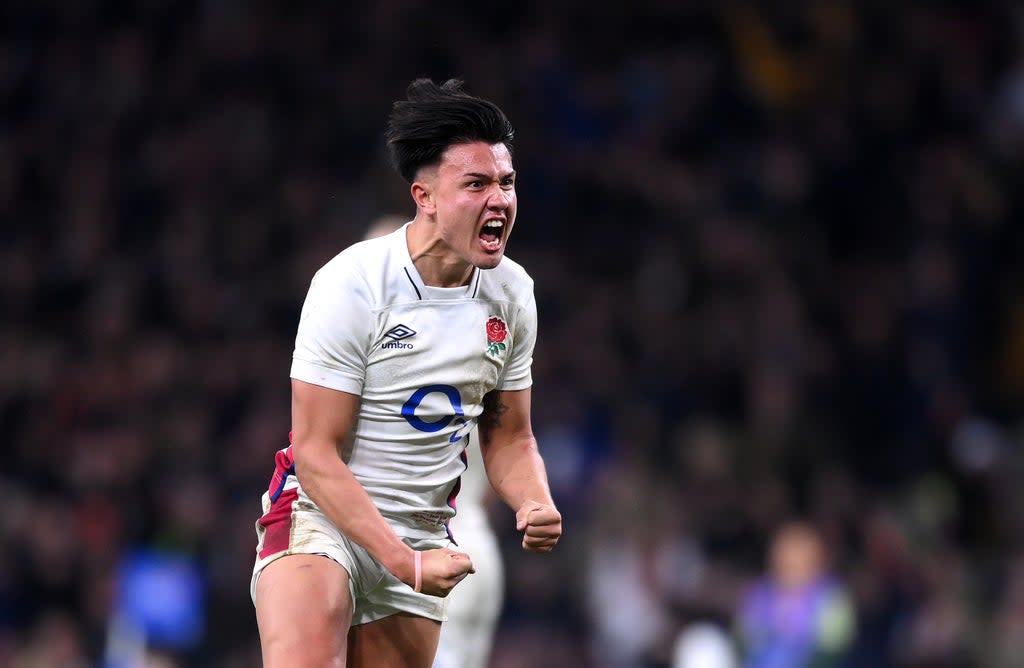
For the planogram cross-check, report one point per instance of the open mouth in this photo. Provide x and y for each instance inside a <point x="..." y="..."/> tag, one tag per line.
<point x="491" y="234"/>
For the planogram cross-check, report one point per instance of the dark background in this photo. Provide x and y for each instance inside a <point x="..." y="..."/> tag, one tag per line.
<point x="777" y="251"/>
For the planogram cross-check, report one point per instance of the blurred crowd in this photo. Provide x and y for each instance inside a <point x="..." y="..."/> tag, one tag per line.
<point x="776" y="249"/>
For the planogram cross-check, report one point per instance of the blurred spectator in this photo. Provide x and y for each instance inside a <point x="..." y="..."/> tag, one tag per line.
<point x="55" y="643"/>
<point x="799" y="615"/>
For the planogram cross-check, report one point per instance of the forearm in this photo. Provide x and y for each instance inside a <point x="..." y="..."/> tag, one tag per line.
<point x="331" y="485"/>
<point x="516" y="471"/>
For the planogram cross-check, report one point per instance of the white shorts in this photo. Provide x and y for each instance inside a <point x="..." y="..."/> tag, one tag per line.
<point x="293" y="524"/>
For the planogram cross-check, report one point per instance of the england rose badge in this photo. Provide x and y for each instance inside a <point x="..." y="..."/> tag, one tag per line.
<point x="497" y="332"/>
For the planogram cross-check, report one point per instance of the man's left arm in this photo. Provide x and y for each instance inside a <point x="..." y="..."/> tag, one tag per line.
<point x="515" y="468"/>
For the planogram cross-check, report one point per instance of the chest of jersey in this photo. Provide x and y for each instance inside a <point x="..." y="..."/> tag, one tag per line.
<point x="433" y="361"/>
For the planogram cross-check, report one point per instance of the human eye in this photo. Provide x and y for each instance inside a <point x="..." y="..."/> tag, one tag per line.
<point x="508" y="182"/>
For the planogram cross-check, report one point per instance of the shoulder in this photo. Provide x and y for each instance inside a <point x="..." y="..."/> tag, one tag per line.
<point x="359" y="269"/>
<point x="359" y="259"/>
<point x="508" y="282"/>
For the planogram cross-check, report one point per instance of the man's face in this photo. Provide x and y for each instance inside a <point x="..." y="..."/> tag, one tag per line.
<point x="475" y="201"/>
<point x="797" y="556"/>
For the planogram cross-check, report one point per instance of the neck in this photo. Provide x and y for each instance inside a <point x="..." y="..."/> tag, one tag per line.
<point x="433" y="259"/>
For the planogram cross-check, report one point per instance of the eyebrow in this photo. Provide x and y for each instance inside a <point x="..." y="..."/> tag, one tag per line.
<point x="479" y="175"/>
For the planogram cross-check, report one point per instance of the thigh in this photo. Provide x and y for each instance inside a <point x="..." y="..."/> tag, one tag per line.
<point x="303" y="611"/>
<point x="401" y="640"/>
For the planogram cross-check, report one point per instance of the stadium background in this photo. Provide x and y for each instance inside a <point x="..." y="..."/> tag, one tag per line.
<point x="776" y="248"/>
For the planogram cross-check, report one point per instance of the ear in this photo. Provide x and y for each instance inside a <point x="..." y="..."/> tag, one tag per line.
<point x="423" y="194"/>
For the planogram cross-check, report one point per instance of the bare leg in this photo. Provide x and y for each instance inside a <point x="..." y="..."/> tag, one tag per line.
<point x="398" y="641"/>
<point x="303" y="610"/>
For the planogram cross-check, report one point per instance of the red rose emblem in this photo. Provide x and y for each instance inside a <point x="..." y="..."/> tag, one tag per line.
<point x="496" y="333"/>
<point x="496" y="330"/>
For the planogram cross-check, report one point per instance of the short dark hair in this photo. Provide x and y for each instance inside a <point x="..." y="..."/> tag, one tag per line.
<point x="434" y="117"/>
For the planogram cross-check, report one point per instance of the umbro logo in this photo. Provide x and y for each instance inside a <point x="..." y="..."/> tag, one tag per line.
<point x="396" y="334"/>
<point x="399" y="332"/>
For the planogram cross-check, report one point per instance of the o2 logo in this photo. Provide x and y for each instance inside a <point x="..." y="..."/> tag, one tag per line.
<point x="457" y="417"/>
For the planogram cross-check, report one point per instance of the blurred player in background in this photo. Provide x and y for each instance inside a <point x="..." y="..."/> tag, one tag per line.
<point x="407" y="344"/>
<point x="798" y="615"/>
<point x="475" y="605"/>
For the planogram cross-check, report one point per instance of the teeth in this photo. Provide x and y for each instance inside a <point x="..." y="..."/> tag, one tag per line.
<point x="493" y="223"/>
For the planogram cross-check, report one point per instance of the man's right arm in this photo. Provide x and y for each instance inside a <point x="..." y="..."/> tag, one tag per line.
<point x="323" y="421"/>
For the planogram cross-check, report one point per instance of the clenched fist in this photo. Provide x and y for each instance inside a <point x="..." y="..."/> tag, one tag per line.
<point x="442" y="569"/>
<point x="541" y="525"/>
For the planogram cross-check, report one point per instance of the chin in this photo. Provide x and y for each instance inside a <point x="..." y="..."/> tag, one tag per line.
<point x="490" y="261"/>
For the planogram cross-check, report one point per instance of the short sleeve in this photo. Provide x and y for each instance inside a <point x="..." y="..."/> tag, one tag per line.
<point x="517" y="374"/>
<point x="334" y="334"/>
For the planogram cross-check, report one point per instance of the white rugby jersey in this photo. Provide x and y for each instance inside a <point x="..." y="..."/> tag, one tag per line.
<point x="422" y="358"/>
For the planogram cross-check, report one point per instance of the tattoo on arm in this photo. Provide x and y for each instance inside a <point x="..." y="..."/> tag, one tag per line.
<point x="491" y="417"/>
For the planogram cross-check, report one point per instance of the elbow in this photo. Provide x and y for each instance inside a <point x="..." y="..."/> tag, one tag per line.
<point x="519" y="443"/>
<point x="310" y="461"/>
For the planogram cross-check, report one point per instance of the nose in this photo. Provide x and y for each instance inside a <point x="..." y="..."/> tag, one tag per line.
<point x="500" y="199"/>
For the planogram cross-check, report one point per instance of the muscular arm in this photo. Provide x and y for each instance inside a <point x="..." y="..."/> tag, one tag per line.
<point x="516" y="469"/>
<point x="323" y="421"/>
